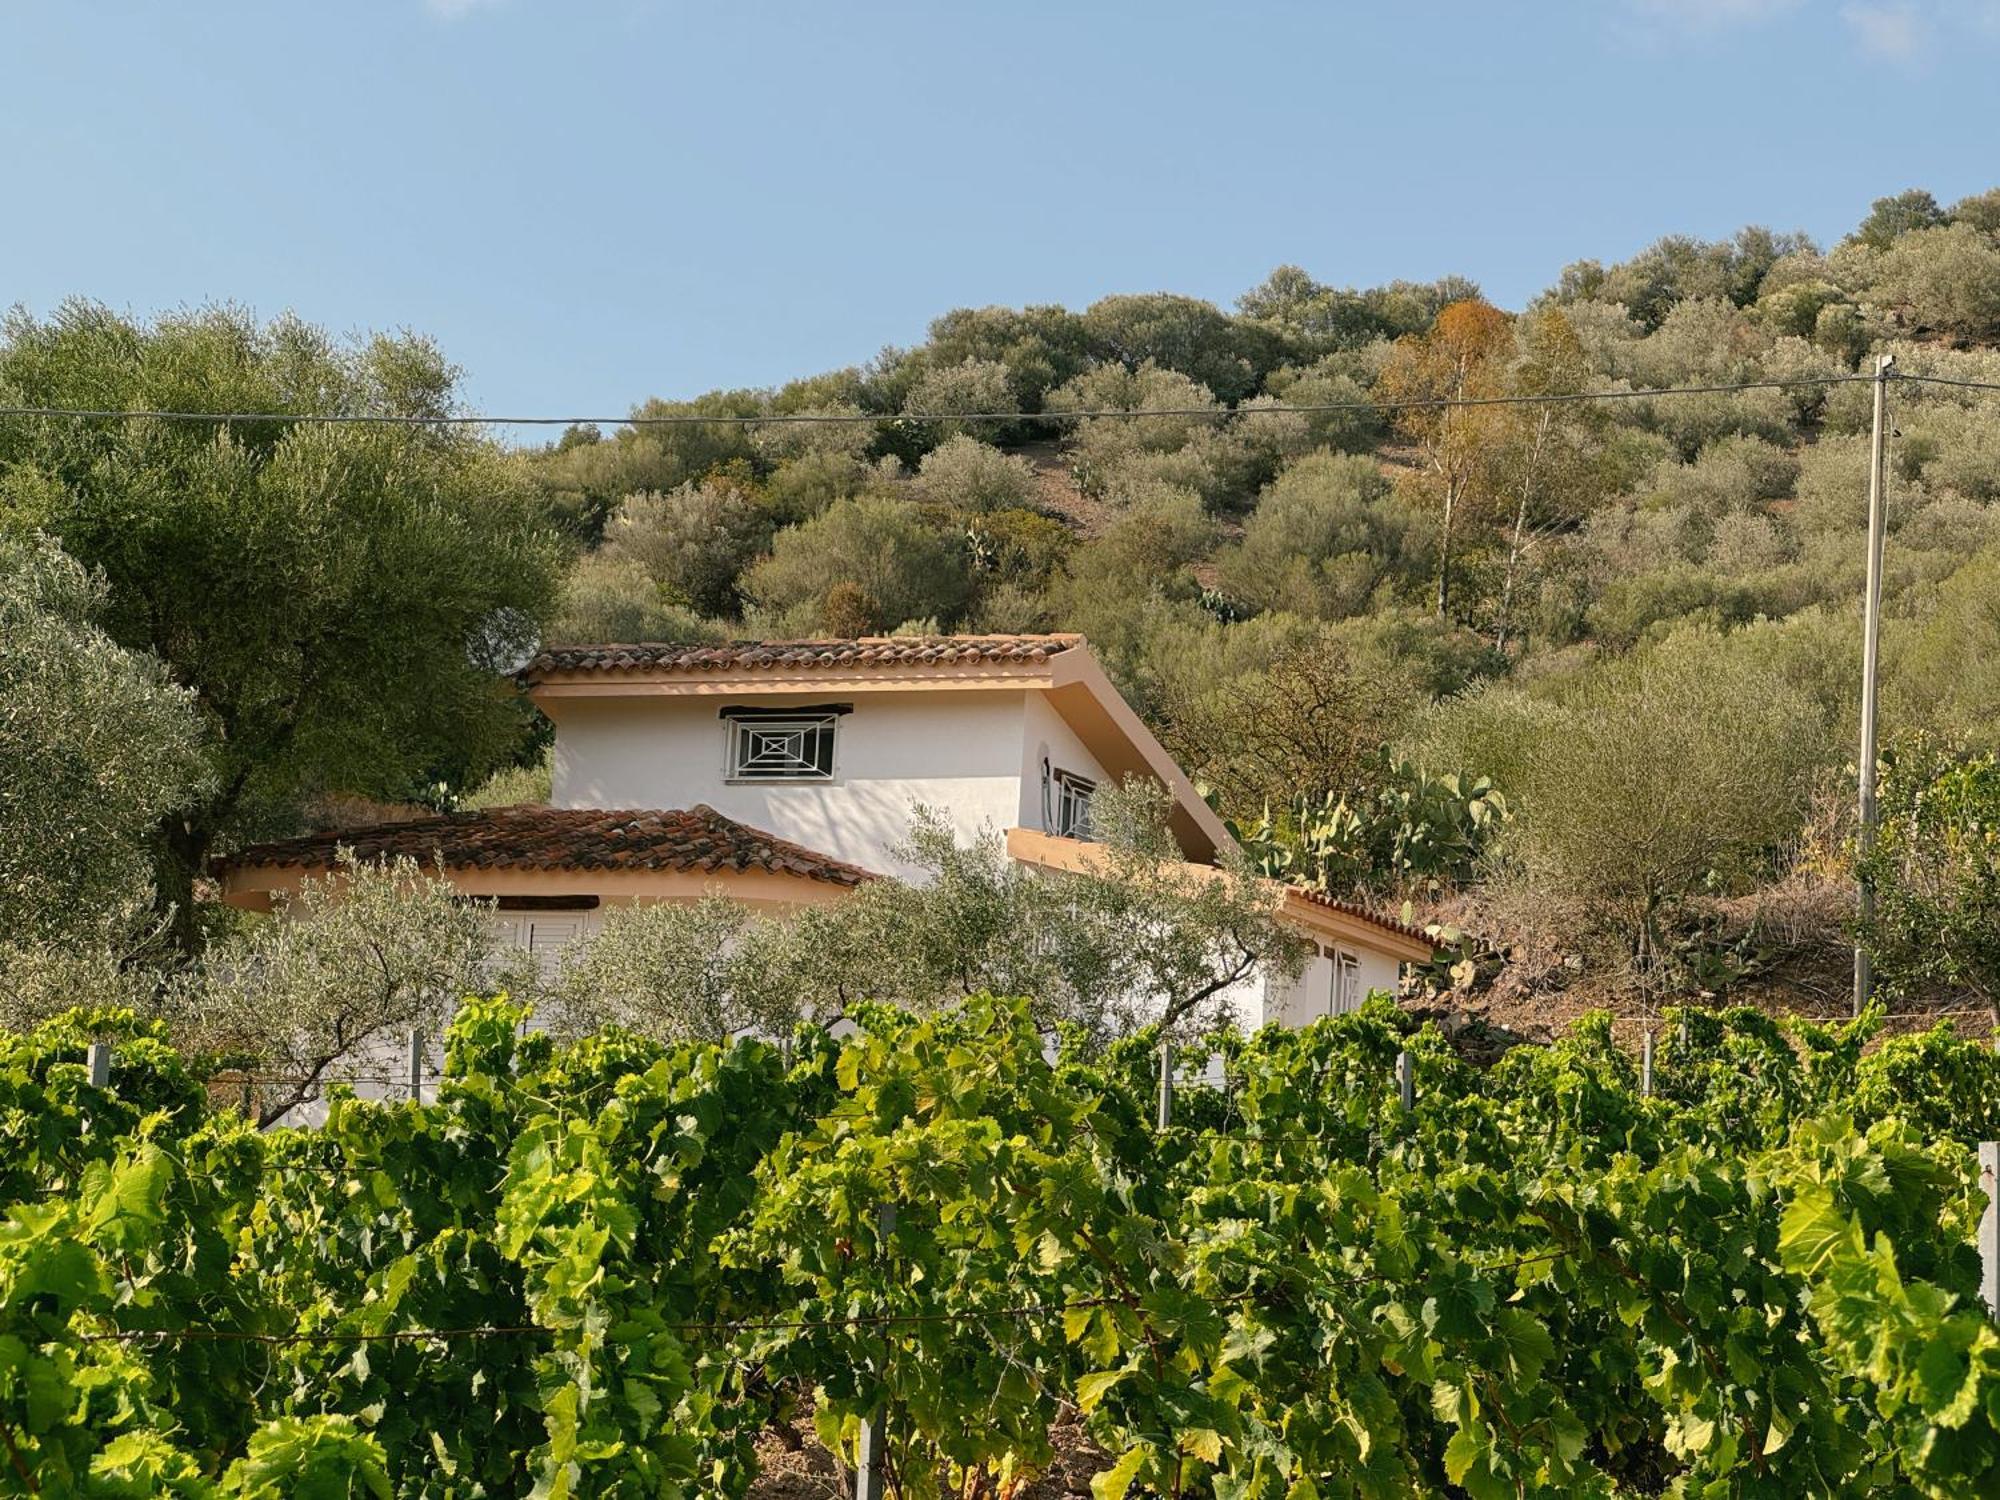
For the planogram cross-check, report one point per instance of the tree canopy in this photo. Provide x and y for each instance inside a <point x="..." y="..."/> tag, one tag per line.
<point x="339" y="599"/>
<point x="96" y="746"/>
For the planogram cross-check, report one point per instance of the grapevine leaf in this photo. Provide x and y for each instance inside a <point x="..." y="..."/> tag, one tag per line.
<point x="1115" y="1481"/>
<point x="1812" y="1230"/>
<point x="1204" y="1443"/>
<point x="1091" y="1389"/>
<point x="1463" y="1451"/>
<point x="1529" y="1347"/>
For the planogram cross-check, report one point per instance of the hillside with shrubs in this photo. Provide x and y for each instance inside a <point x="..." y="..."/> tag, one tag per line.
<point x="1573" y="681"/>
<point x="1577" y="681"/>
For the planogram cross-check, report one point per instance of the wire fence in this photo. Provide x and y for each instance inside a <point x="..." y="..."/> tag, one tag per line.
<point x="987" y="1316"/>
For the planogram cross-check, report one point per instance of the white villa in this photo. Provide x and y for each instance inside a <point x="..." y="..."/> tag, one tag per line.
<point x="784" y="773"/>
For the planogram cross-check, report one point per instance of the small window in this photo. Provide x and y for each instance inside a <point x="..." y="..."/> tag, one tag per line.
<point x="796" y="748"/>
<point x="1347" y="993"/>
<point x="1073" y="793"/>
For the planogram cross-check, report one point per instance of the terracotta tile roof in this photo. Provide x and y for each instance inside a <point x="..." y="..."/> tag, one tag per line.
<point x="867" y="651"/>
<point x="559" y="838"/>
<point x="1365" y="913"/>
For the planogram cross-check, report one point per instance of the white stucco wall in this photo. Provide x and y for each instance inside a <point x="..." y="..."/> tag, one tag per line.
<point x="1312" y="996"/>
<point x="960" y="752"/>
<point x="1045" y="733"/>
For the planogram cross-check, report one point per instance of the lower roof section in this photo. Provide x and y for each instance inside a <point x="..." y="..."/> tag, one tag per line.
<point x="552" y="852"/>
<point x="556" y="858"/>
<point x="1320" y="917"/>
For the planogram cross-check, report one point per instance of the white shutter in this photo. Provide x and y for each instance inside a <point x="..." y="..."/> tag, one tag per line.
<point x="547" y="936"/>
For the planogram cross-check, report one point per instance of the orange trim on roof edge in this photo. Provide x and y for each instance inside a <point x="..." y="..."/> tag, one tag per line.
<point x="1320" y="915"/>
<point x="1199" y="828"/>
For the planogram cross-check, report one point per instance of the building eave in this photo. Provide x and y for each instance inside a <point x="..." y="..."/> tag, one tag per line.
<point x="1305" y="911"/>
<point x="255" y="887"/>
<point x="642" y="682"/>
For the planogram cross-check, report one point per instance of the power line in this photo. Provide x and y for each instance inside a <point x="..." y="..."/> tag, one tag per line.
<point x="1967" y="385"/>
<point x="692" y="419"/>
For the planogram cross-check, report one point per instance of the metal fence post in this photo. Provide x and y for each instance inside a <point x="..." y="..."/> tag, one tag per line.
<point x="99" y="1060"/>
<point x="868" y="1479"/>
<point x="1406" y="1079"/>
<point x="868" y="1464"/>
<point x="1166" y="1116"/>
<point x="1646" y="1066"/>
<point x="1989" y="1227"/>
<point x="416" y="1067"/>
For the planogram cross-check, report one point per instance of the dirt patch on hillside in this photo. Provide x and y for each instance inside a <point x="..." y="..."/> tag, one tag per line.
<point x="1783" y="950"/>
<point x="1057" y="493"/>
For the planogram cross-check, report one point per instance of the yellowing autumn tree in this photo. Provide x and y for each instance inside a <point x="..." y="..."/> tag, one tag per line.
<point x="1542" y="464"/>
<point x="1463" y="356"/>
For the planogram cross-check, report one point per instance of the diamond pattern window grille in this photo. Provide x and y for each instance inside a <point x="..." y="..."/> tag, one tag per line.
<point x="781" y="749"/>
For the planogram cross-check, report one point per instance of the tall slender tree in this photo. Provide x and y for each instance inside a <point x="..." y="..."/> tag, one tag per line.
<point x="1461" y="357"/>
<point x="1541" y="459"/>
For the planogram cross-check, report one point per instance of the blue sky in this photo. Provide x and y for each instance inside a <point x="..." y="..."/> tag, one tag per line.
<point x="593" y="201"/>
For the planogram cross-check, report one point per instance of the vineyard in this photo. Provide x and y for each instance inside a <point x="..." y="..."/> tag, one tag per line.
<point x="607" y="1269"/>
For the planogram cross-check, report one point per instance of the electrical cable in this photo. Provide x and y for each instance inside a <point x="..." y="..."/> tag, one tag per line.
<point x="692" y="419"/>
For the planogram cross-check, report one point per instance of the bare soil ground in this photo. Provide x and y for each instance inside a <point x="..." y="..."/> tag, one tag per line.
<point x="1790" y="943"/>
<point x="794" y="1466"/>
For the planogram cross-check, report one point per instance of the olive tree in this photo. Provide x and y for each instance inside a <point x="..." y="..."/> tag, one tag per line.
<point x="96" y="746"/>
<point x="968" y="475"/>
<point x="694" y="542"/>
<point x="1943" y="280"/>
<point x="1328" y="533"/>
<point x="1097" y="446"/>
<point x="1040" y="346"/>
<point x="950" y="396"/>
<point x="1184" y="334"/>
<point x="607" y="598"/>
<point x="331" y="983"/>
<point x="1134" y="938"/>
<point x="877" y="555"/>
<point x="330" y="592"/>
<point x="1683" y="767"/>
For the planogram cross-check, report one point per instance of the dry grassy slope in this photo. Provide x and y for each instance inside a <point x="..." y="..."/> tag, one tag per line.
<point x="1797" y="962"/>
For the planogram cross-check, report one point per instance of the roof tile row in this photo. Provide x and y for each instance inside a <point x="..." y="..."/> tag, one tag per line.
<point x="1356" y="909"/>
<point x="550" y="838"/>
<point x="867" y="651"/>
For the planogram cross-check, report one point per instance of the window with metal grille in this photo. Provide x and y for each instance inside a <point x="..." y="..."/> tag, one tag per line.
<point x="795" y="748"/>
<point x="1072" y="820"/>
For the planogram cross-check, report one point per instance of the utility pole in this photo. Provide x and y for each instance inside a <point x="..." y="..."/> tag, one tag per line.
<point x="1871" y="650"/>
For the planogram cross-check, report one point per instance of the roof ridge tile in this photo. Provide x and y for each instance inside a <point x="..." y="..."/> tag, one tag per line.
<point x="918" y="650"/>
